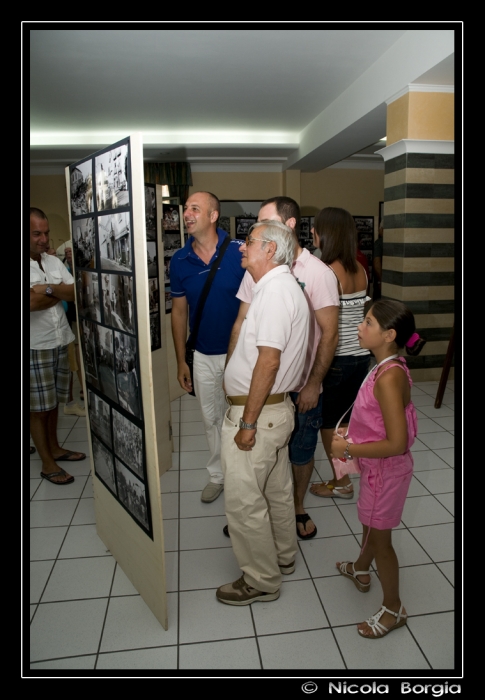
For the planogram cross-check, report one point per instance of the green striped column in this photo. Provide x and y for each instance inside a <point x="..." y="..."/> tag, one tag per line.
<point x="418" y="257"/>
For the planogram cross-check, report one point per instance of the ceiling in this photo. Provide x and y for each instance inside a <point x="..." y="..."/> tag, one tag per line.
<point x="229" y="98"/>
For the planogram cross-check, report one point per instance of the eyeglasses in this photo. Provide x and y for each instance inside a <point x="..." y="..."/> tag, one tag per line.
<point x="250" y="239"/>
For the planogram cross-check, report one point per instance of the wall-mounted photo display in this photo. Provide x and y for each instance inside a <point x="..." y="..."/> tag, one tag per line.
<point x="99" y="415"/>
<point x="166" y="270"/>
<point x="132" y="493"/>
<point x="306" y="236"/>
<point x="171" y="217"/>
<point x="103" y="464"/>
<point x="81" y="180"/>
<point x="168" y="299"/>
<point x="224" y="222"/>
<point x="127" y="373"/>
<point x="111" y="173"/>
<point x="365" y="237"/>
<point x="87" y="289"/>
<point x="150" y="212"/>
<point x="153" y="295"/>
<point x="155" y="335"/>
<point x="243" y="224"/>
<point x="105" y="361"/>
<point x="128" y="443"/>
<point x="171" y="243"/>
<point x="87" y="331"/>
<point x="115" y="243"/>
<point x="118" y="306"/>
<point x="152" y="259"/>
<point x="84" y="242"/>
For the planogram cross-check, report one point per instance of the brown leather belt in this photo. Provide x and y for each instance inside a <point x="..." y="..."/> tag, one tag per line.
<point x="241" y="400"/>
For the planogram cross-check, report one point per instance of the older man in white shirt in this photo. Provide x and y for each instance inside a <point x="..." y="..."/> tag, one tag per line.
<point x="266" y="364"/>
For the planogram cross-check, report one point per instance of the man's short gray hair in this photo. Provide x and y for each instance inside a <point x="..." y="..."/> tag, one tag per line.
<point x="280" y="234"/>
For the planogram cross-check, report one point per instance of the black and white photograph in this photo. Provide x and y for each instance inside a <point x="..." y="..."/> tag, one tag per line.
<point x="166" y="270"/>
<point x="155" y="337"/>
<point x="153" y="295"/>
<point x="224" y="222"/>
<point x="168" y="300"/>
<point x="87" y="330"/>
<point x="103" y="464"/>
<point x="127" y="378"/>
<point x="111" y="172"/>
<point x="152" y="259"/>
<point x="106" y="299"/>
<point x="128" y="442"/>
<point x="171" y="243"/>
<point x="118" y="305"/>
<point x="87" y="288"/>
<point x="132" y="493"/>
<point x="243" y="224"/>
<point x="99" y="418"/>
<point x="364" y="224"/>
<point x="105" y="361"/>
<point x="115" y="247"/>
<point x="171" y="217"/>
<point x="84" y="243"/>
<point x="150" y="213"/>
<point x="305" y="226"/>
<point x="81" y="177"/>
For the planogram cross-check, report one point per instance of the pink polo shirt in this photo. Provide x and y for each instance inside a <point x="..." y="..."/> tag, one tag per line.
<point x="320" y="287"/>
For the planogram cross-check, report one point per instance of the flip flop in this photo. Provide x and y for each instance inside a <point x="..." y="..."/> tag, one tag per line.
<point x="50" y="477"/>
<point x="67" y="457"/>
<point x="303" y="518"/>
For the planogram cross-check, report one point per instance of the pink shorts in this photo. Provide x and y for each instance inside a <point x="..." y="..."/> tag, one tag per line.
<point x="384" y="485"/>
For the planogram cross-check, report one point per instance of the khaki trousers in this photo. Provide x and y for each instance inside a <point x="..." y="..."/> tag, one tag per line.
<point x="258" y="493"/>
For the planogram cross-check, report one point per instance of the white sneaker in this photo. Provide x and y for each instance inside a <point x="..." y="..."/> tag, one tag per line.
<point x="74" y="410"/>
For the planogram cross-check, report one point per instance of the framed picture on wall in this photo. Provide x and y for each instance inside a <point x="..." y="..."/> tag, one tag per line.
<point x="243" y="224"/>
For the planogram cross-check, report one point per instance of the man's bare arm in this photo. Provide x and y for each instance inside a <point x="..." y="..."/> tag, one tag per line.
<point x="62" y="291"/>
<point x="327" y="319"/>
<point x="262" y="380"/>
<point x="236" y="329"/>
<point x="179" y="315"/>
<point x="40" y="302"/>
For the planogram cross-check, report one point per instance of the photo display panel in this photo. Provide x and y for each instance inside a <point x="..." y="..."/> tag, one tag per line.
<point x="102" y="236"/>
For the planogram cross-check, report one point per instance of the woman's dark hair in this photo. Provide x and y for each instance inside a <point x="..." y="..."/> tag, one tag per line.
<point x="392" y="314"/>
<point x="338" y="237"/>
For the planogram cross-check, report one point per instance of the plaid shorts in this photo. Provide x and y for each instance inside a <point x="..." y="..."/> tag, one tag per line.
<point x="49" y="378"/>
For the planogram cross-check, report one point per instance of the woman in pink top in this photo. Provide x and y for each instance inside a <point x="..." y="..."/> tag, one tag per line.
<point x="382" y="428"/>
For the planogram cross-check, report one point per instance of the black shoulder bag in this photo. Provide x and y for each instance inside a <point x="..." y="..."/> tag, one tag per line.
<point x="190" y="344"/>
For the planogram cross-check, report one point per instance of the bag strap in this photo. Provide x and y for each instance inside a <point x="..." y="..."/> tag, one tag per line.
<point x="205" y="293"/>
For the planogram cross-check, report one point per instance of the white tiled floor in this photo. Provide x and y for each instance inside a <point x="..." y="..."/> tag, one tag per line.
<point x="85" y="614"/>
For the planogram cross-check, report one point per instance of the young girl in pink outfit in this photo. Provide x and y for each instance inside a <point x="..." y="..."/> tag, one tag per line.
<point x="382" y="428"/>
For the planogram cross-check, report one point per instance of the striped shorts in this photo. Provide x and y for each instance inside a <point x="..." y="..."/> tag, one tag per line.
<point x="49" y="378"/>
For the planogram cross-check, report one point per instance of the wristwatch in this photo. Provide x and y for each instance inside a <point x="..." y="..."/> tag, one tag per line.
<point x="247" y="426"/>
<point x="347" y="454"/>
<point x="49" y="291"/>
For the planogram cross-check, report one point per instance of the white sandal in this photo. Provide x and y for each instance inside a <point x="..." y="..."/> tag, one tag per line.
<point x="378" y="629"/>
<point x="336" y="491"/>
<point x="362" y="587"/>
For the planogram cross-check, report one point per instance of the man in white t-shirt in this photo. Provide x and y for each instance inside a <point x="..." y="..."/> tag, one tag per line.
<point x="320" y="287"/>
<point x="50" y="285"/>
<point x="266" y="363"/>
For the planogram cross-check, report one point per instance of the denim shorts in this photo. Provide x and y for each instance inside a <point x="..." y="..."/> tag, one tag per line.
<point x="340" y="387"/>
<point x="304" y="437"/>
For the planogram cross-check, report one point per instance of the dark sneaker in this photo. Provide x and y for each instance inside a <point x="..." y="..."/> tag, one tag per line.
<point x="239" y="593"/>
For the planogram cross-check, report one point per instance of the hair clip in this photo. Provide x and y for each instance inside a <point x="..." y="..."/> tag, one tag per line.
<point x="412" y="340"/>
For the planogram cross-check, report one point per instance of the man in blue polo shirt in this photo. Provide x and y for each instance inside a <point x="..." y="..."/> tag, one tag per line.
<point x="188" y="272"/>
